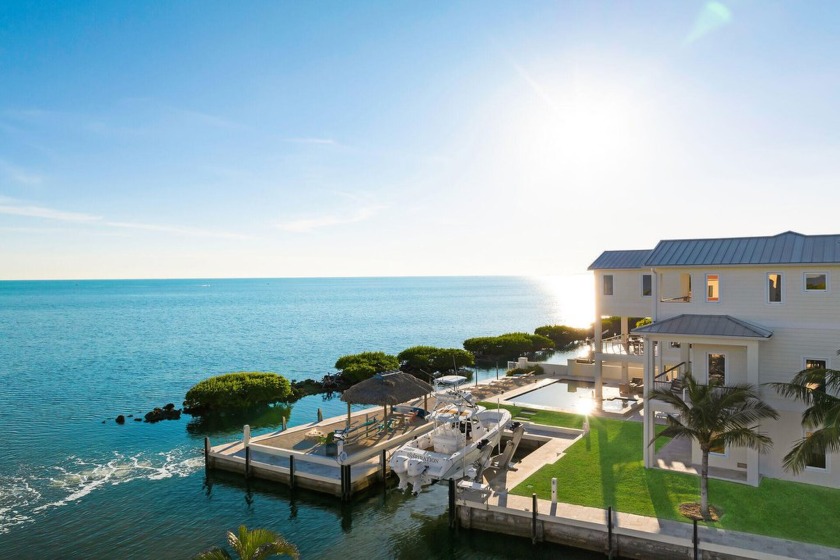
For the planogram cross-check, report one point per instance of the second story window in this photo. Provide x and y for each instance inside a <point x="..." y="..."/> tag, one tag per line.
<point x="774" y="287"/>
<point x="647" y="285"/>
<point x="608" y="284"/>
<point x="816" y="282"/>
<point x="712" y="287"/>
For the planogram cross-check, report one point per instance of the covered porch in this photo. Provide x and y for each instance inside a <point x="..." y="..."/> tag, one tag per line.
<point x="716" y="348"/>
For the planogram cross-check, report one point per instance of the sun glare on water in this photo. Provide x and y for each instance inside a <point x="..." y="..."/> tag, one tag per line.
<point x="572" y="296"/>
<point x="585" y="403"/>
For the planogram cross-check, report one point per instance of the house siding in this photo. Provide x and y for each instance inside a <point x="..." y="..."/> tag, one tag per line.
<point x="627" y="299"/>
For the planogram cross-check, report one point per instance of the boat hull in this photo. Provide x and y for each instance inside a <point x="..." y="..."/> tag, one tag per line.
<point x="451" y="450"/>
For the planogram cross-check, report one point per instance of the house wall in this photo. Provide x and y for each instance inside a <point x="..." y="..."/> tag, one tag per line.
<point x="730" y="459"/>
<point x="805" y="325"/>
<point x="736" y="362"/>
<point x="785" y="432"/>
<point x="743" y="294"/>
<point x="627" y="299"/>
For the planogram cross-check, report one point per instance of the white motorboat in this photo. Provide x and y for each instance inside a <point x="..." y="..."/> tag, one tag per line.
<point x="459" y="446"/>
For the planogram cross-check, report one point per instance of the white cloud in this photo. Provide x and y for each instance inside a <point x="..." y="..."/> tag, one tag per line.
<point x="47" y="213"/>
<point x="325" y="141"/>
<point x="306" y="225"/>
<point x="12" y="207"/>
<point x="180" y="230"/>
<point x="19" y="174"/>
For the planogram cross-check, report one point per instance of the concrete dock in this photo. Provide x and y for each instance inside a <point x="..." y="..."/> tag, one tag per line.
<point x="300" y="456"/>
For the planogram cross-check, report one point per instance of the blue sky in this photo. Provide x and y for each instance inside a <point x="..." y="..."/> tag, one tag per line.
<point x="213" y="139"/>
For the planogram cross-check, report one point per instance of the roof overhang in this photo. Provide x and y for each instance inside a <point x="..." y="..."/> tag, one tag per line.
<point x="705" y="326"/>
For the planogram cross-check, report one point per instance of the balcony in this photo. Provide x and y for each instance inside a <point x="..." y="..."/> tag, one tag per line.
<point x="633" y="346"/>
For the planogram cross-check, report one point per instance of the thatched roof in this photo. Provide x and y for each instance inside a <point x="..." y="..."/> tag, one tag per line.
<point x="387" y="388"/>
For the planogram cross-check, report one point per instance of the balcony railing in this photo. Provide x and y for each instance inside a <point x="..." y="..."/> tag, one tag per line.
<point x="633" y="346"/>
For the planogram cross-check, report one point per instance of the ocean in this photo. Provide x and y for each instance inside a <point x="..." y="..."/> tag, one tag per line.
<point x="75" y="354"/>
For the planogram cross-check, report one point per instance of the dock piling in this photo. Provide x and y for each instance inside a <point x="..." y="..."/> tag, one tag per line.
<point x="383" y="462"/>
<point x="283" y="423"/>
<point x="696" y="542"/>
<point x="534" y="518"/>
<point x="452" y="516"/>
<point x="320" y="416"/>
<point x="206" y="453"/>
<point x="247" y="462"/>
<point x="292" y="472"/>
<point x="346" y="483"/>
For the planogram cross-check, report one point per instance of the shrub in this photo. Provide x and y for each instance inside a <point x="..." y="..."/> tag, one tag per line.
<point x="358" y="367"/>
<point x="536" y="369"/>
<point x="507" y="346"/>
<point x="564" y="336"/>
<point x="430" y="359"/>
<point x="236" y="391"/>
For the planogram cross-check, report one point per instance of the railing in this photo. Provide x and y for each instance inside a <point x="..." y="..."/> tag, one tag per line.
<point x="633" y="346"/>
<point x="666" y="384"/>
<point x="680" y="299"/>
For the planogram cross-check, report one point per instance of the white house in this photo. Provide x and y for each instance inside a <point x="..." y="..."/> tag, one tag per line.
<point x="742" y="310"/>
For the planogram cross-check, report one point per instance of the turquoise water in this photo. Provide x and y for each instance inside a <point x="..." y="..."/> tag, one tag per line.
<point x="73" y="355"/>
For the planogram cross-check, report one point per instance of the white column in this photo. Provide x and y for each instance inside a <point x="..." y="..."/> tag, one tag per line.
<point x="648" y="423"/>
<point x="753" y="456"/>
<point x="599" y="393"/>
<point x="625" y="335"/>
<point x="684" y="356"/>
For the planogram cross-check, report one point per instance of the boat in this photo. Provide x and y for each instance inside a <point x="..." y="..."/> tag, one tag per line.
<point x="459" y="446"/>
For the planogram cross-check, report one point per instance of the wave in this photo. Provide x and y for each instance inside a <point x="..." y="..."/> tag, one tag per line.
<point x="16" y="496"/>
<point x="24" y="496"/>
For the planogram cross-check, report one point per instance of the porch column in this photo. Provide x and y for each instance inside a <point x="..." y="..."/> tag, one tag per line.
<point x="685" y="357"/>
<point x="753" y="456"/>
<point x="599" y="362"/>
<point x="648" y="418"/>
<point x="625" y="343"/>
<point x="661" y="347"/>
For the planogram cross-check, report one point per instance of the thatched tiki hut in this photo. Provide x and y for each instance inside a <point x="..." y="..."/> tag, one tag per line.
<point x="385" y="389"/>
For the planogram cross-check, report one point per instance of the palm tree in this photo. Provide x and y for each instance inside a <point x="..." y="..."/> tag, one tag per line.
<point x="817" y="388"/>
<point x="255" y="544"/>
<point x="715" y="416"/>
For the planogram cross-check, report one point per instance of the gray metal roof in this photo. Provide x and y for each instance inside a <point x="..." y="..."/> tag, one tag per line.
<point x="785" y="248"/>
<point x="611" y="260"/>
<point x="705" y="325"/>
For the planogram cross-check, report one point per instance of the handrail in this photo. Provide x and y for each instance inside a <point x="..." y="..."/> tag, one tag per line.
<point x="669" y="370"/>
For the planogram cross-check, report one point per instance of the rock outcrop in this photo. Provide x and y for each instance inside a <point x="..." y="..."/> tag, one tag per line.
<point x="168" y="412"/>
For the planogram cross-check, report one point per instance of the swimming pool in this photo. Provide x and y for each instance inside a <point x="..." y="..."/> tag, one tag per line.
<point x="573" y="396"/>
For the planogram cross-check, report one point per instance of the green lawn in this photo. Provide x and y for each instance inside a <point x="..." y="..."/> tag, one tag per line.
<point x="605" y="468"/>
<point x="563" y="419"/>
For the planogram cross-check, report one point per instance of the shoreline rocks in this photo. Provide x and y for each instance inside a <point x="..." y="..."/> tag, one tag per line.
<point x="168" y="412"/>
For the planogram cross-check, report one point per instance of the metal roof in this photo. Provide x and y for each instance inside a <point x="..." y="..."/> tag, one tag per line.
<point x="705" y="325"/>
<point x="611" y="260"/>
<point x="785" y="248"/>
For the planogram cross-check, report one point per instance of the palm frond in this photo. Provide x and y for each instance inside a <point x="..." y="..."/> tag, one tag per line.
<point x="747" y="437"/>
<point x="214" y="553"/>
